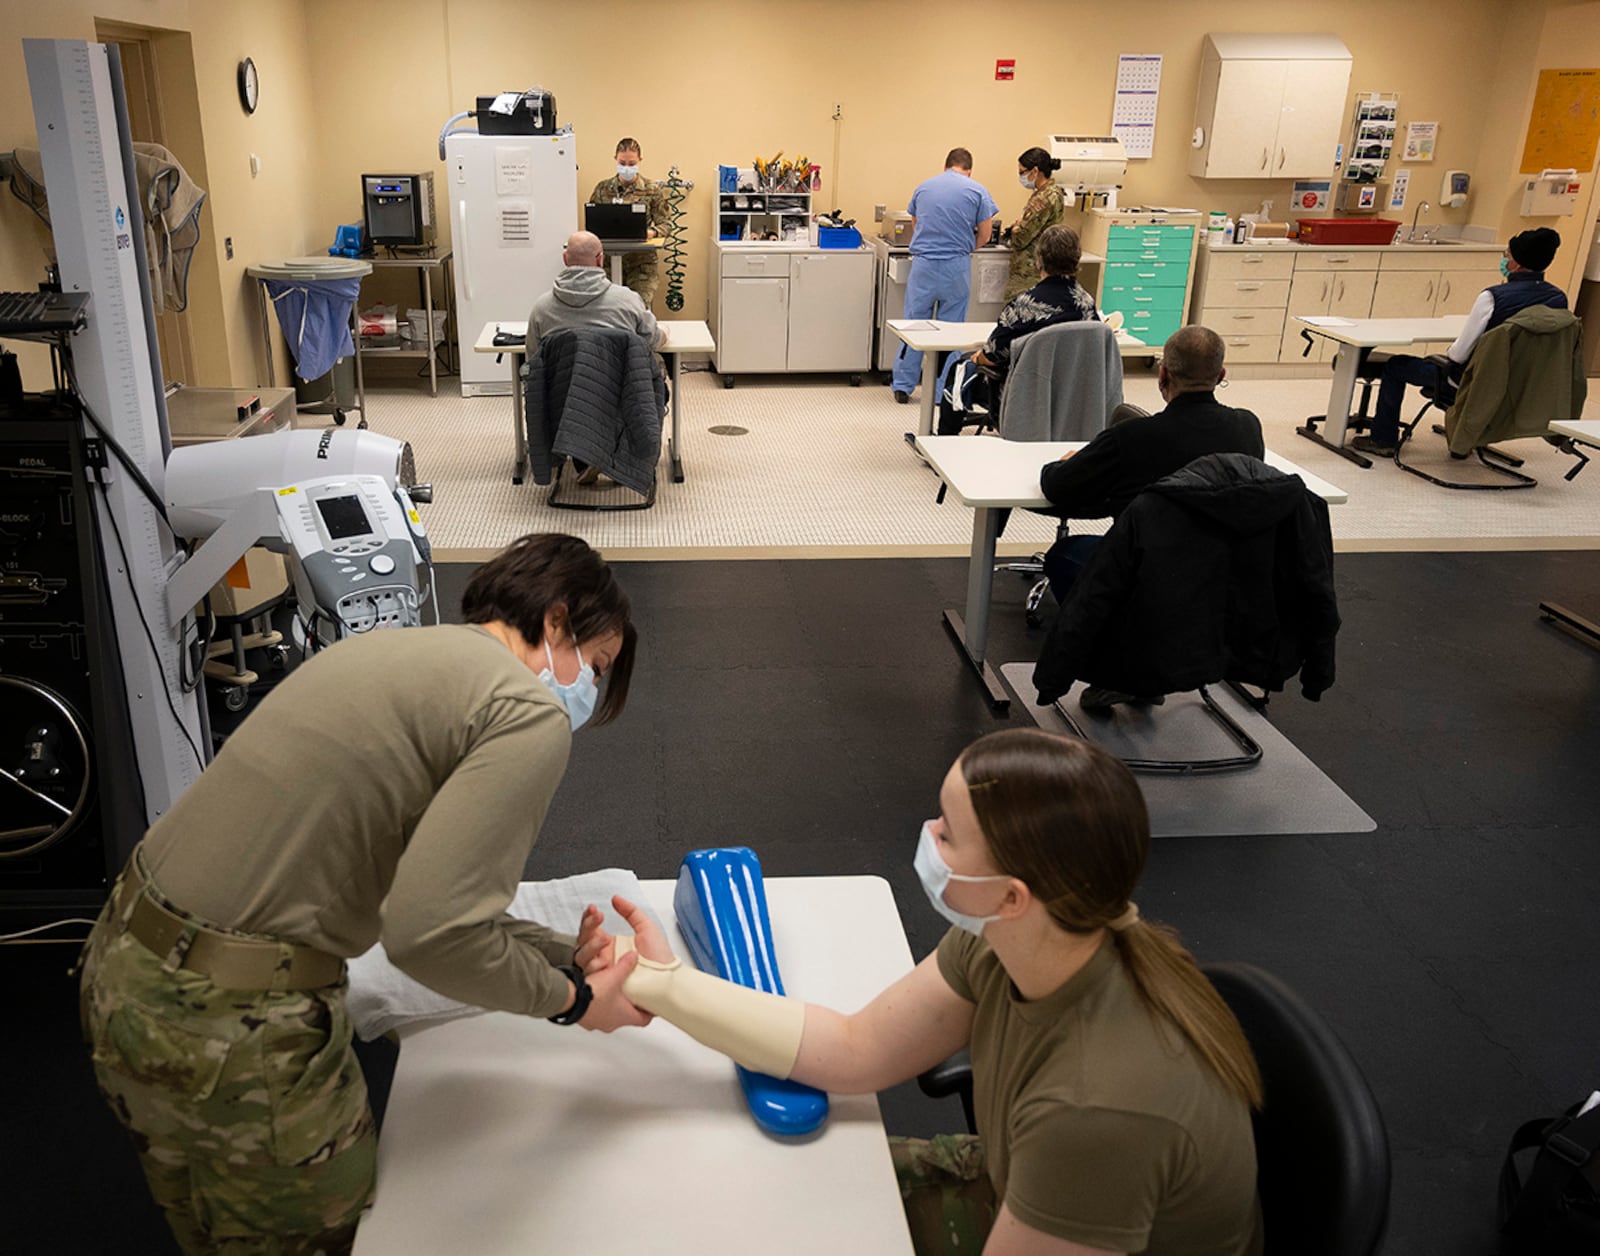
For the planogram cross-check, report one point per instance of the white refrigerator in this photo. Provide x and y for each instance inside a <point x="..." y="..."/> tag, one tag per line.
<point x="513" y="201"/>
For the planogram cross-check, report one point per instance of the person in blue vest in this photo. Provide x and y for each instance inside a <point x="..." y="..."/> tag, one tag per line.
<point x="1527" y="256"/>
<point x="953" y="215"/>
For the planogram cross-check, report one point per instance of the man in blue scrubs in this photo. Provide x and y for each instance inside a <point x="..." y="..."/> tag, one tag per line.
<point x="953" y="215"/>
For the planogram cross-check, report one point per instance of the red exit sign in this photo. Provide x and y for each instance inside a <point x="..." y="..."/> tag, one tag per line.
<point x="1005" y="71"/>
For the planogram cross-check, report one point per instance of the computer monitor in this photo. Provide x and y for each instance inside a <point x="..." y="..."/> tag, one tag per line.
<point x="618" y="222"/>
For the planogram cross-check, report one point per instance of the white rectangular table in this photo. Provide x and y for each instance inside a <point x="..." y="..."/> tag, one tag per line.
<point x="991" y="475"/>
<point x="932" y="337"/>
<point x="506" y="1135"/>
<point x="682" y="336"/>
<point x="1356" y="338"/>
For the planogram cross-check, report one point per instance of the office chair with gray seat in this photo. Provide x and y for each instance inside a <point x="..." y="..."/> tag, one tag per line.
<point x="1064" y="384"/>
<point x="1322" y="1154"/>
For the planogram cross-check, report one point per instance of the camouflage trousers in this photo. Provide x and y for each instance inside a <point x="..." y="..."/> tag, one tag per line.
<point x="643" y="275"/>
<point x="247" y="1107"/>
<point x="945" y="1187"/>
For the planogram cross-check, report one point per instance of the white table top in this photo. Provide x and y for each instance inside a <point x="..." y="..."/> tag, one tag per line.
<point x="684" y="335"/>
<point x="1370" y="333"/>
<point x="933" y="335"/>
<point x="986" y="471"/>
<point x="1584" y="431"/>
<point x="507" y="1135"/>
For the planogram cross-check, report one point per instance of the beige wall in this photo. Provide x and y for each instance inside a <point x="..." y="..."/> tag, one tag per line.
<point x="352" y="87"/>
<point x="1568" y="37"/>
<point x="271" y="216"/>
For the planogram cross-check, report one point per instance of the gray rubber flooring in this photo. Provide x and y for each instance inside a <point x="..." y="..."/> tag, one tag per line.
<point x="810" y="709"/>
<point x="1284" y="793"/>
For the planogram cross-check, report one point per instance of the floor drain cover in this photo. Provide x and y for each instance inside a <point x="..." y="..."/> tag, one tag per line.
<point x="728" y="429"/>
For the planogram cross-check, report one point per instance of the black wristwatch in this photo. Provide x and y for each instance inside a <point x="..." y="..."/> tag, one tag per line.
<point x="583" y="995"/>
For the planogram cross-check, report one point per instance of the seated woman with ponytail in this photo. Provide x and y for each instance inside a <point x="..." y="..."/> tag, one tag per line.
<point x="1112" y="1086"/>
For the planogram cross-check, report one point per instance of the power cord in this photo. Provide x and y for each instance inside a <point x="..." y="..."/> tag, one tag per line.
<point x="54" y="924"/>
<point x="116" y="448"/>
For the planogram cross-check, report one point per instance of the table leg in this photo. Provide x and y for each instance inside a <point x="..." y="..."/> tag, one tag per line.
<point x="930" y="382"/>
<point x="616" y="268"/>
<point x="361" y="375"/>
<point x="1585" y="630"/>
<point x="972" y="637"/>
<point x="433" y="348"/>
<point x="520" y="443"/>
<point x="1336" y="422"/>
<point x="674" y="447"/>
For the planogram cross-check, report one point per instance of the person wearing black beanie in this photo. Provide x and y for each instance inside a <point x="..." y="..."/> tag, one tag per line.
<point x="1528" y="255"/>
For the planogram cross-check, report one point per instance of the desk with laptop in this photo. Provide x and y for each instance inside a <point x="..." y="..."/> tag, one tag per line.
<point x="623" y="228"/>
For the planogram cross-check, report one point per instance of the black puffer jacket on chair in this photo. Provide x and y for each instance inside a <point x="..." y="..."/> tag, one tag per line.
<point x="1222" y="571"/>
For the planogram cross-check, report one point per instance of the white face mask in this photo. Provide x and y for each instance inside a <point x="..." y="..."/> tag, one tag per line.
<point x="1026" y="180"/>
<point x="627" y="173"/>
<point x="935" y="875"/>
<point x="581" y="696"/>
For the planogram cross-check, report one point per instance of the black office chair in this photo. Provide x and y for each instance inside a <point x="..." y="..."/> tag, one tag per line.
<point x="1322" y="1155"/>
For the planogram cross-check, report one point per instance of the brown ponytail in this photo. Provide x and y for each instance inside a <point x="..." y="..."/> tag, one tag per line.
<point x="1068" y="819"/>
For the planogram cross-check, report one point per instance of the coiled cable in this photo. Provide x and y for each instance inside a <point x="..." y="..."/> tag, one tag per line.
<point x="678" y="192"/>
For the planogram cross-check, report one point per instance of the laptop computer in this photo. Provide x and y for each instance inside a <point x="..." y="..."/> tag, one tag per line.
<point x="32" y="313"/>
<point x="617" y="222"/>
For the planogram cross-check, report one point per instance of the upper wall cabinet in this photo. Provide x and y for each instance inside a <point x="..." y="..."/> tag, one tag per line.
<point x="1269" y="106"/>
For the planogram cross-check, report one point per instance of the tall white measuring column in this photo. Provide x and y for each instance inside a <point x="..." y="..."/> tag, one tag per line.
<point x="95" y="217"/>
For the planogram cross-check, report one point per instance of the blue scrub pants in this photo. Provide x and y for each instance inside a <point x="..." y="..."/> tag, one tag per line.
<point x="938" y="288"/>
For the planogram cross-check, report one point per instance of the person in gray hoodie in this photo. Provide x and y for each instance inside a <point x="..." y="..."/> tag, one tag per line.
<point x="584" y="297"/>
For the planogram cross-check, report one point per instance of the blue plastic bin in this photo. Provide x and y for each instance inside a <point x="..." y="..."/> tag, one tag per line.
<point x="838" y="238"/>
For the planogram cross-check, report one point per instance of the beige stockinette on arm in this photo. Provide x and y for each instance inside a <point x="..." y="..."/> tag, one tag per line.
<point x="758" y="1030"/>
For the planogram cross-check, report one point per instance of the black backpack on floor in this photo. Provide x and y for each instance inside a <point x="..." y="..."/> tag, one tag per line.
<point x="1557" y="1210"/>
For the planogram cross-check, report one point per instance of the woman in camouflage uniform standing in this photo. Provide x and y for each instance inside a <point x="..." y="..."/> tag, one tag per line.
<point x="1045" y="208"/>
<point x="628" y="187"/>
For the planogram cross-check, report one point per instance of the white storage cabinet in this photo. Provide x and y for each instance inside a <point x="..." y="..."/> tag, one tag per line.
<point x="1269" y="106"/>
<point x="781" y="309"/>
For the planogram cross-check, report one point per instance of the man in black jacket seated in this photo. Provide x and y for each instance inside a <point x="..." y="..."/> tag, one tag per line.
<point x="1139" y="449"/>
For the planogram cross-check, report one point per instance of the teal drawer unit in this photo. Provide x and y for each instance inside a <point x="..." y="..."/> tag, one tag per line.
<point x="1146" y="277"/>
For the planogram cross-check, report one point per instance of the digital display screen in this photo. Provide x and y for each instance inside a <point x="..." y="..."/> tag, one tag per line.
<point x="343" y="517"/>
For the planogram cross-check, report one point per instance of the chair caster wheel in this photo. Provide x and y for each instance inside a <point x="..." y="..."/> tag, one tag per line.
<point x="234" y="698"/>
<point x="338" y="418"/>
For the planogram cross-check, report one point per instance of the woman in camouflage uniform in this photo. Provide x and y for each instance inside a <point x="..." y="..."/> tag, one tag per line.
<point x="628" y="187"/>
<point x="1045" y="208"/>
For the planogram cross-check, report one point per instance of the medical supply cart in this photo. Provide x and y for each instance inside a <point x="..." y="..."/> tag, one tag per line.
<point x="779" y="308"/>
<point x="1149" y="267"/>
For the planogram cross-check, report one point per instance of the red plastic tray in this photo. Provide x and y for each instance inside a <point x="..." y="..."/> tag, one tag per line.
<point x="1346" y="230"/>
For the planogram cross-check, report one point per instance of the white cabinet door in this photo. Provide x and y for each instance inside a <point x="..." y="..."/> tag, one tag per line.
<point x="1405" y="294"/>
<point x="1309" y="294"/>
<point x="753" y="329"/>
<point x="830" y="312"/>
<point x="1352" y="293"/>
<point x="1458" y="289"/>
<point x="1308" y="124"/>
<point x="1244" y="124"/>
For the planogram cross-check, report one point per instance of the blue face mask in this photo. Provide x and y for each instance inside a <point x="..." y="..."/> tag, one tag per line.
<point x="935" y="875"/>
<point x="627" y="173"/>
<point x="581" y="696"/>
<point x="1505" y="267"/>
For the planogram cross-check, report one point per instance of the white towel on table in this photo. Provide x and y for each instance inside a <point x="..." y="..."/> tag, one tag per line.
<point x="383" y="998"/>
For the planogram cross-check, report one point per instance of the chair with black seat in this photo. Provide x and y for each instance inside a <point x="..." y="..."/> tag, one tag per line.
<point x="1221" y="572"/>
<point x="1322" y="1154"/>
<point x="1064" y="384"/>
<point x="1522" y="375"/>
<point x="595" y="395"/>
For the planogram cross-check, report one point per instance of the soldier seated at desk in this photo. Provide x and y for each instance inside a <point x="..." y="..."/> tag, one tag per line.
<point x="975" y="379"/>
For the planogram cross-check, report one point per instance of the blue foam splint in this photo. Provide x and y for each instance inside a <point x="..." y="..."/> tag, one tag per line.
<point x="721" y="905"/>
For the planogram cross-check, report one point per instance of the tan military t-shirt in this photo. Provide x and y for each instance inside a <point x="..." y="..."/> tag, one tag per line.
<point x="391" y="787"/>
<point x="1101" y="1127"/>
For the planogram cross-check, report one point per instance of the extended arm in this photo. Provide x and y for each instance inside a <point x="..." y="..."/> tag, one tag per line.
<point x="910" y="1027"/>
<point x="1011" y="1237"/>
<point x="1477" y="322"/>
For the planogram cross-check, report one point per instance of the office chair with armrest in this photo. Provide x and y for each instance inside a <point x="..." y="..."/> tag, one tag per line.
<point x="1522" y="374"/>
<point x="1322" y="1154"/>
<point x="1221" y="572"/>
<point x="596" y="395"/>
<point x="1065" y="383"/>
